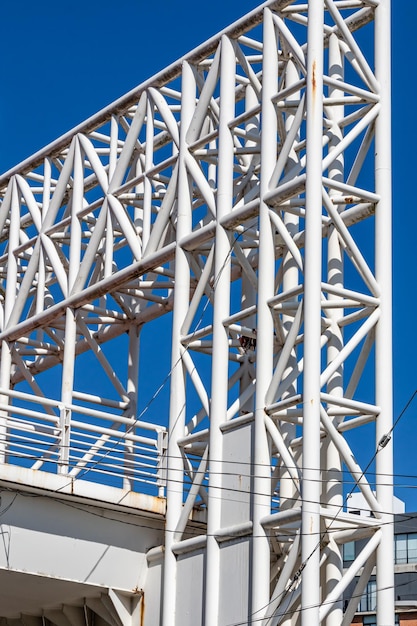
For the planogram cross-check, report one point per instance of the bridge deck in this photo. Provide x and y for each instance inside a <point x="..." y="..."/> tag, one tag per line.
<point x="69" y="546"/>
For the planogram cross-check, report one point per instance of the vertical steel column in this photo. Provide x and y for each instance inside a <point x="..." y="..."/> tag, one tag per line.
<point x="46" y="194"/>
<point x="132" y="394"/>
<point x="248" y="289"/>
<point x="220" y="359"/>
<point x="265" y="330"/>
<point x="383" y="347"/>
<point x="175" y="469"/>
<point x="68" y="364"/>
<point x="134" y="332"/>
<point x="67" y="388"/>
<point x="310" y="552"/>
<point x="290" y="280"/>
<point x="147" y="198"/>
<point x="332" y="485"/>
<point x="109" y="238"/>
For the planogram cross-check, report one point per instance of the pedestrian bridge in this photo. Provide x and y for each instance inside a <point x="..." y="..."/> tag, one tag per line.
<point x="74" y="552"/>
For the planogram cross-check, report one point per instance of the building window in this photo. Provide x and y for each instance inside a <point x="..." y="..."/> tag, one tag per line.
<point x="368" y="600"/>
<point x="405" y="548"/>
<point x="349" y="551"/>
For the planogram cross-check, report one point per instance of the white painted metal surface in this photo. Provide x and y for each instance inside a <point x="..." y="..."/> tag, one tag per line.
<point x="71" y="561"/>
<point x="245" y="189"/>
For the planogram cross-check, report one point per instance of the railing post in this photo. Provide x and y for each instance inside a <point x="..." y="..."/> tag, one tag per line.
<point x="162" y="444"/>
<point x="64" y="440"/>
<point x="67" y="390"/>
<point x="132" y="393"/>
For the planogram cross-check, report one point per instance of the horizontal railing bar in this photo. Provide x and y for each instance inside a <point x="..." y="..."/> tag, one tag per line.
<point x="124" y="465"/>
<point x="10" y="409"/>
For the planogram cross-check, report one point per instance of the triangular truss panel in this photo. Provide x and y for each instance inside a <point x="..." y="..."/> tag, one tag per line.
<point x="245" y="192"/>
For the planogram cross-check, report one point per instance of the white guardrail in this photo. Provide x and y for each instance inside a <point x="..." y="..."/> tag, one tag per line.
<point x="82" y="443"/>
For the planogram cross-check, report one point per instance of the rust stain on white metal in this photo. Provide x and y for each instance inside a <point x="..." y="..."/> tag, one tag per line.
<point x="313" y="79"/>
<point x="142" y="609"/>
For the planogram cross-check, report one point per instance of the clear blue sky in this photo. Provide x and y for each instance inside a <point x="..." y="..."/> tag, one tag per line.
<point x="63" y="61"/>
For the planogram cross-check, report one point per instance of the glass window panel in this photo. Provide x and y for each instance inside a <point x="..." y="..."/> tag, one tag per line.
<point x="400" y="548"/>
<point x="368" y="600"/>
<point x="349" y="551"/>
<point x="412" y="548"/>
<point x="372" y="595"/>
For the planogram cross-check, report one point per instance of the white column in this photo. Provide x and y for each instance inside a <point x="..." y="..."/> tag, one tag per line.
<point x="265" y="329"/>
<point x="132" y="393"/>
<point x="290" y="280"/>
<point x="383" y="348"/>
<point x="175" y="470"/>
<point x="332" y="487"/>
<point x="220" y="359"/>
<point x="40" y="288"/>
<point x="67" y="389"/>
<point x="68" y="363"/>
<point x="310" y="553"/>
<point x="248" y="297"/>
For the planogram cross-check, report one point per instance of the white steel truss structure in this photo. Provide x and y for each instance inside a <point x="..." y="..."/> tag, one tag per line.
<point x="245" y="192"/>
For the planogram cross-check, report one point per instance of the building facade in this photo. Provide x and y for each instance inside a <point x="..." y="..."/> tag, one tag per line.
<point x="405" y="568"/>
